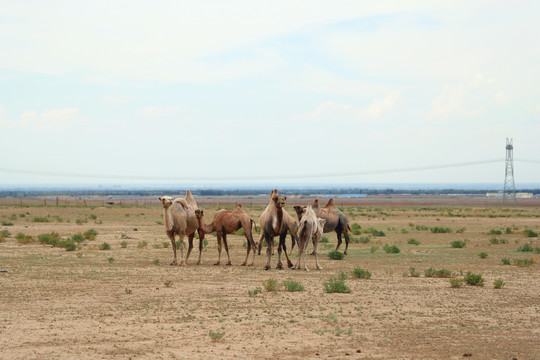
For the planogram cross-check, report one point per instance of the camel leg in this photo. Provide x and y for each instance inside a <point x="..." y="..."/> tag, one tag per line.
<point x="250" y="243"/>
<point x="292" y="243"/>
<point x="227" y="249"/>
<point x="218" y="247"/>
<point x="260" y="243"/>
<point x="316" y="252"/>
<point x="201" y="239"/>
<point x="190" y="246"/>
<point x="338" y="232"/>
<point x="170" y="234"/>
<point x="346" y="233"/>
<point x="297" y="263"/>
<point x="269" y="247"/>
<point x="282" y="243"/>
<point x="181" y="239"/>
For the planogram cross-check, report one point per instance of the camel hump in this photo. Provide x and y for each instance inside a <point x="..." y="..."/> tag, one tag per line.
<point x="330" y="203"/>
<point x="190" y="199"/>
<point x="181" y="202"/>
<point x="316" y="203"/>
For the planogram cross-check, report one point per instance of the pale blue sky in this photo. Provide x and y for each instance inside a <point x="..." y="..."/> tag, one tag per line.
<point x="225" y="89"/>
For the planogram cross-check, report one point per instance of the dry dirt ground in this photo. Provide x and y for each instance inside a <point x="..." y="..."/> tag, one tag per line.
<point x="128" y="303"/>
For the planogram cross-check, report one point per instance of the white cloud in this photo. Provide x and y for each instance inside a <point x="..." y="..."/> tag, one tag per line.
<point x="335" y="112"/>
<point x="500" y="97"/>
<point x="51" y="119"/>
<point x="159" y="111"/>
<point x="115" y="99"/>
<point x="3" y="120"/>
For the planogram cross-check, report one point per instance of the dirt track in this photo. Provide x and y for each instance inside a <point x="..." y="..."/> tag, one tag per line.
<point x="93" y="303"/>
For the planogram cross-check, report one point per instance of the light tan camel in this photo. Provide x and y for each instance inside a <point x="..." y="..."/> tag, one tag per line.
<point x="335" y="220"/>
<point x="311" y="227"/>
<point x="227" y="222"/>
<point x="179" y="217"/>
<point x="274" y="222"/>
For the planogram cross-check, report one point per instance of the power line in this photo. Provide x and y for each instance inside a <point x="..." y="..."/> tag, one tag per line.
<point x="245" y="178"/>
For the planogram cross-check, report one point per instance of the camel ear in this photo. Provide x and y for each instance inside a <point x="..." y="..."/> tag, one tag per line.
<point x="159" y="198"/>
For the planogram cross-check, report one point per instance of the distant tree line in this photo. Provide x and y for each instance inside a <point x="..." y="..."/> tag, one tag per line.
<point x="248" y="192"/>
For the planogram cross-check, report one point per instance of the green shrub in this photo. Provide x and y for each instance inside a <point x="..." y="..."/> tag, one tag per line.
<point x="483" y="255"/>
<point x="292" y="285"/>
<point x="80" y="221"/>
<point x="474" y="279"/>
<point x="413" y="242"/>
<point x="443" y="273"/>
<point x="364" y="239"/>
<point x="90" y="234"/>
<point x="413" y="272"/>
<point x="215" y="336"/>
<point x="495" y="232"/>
<point x="143" y="243"/>
<point x="77" y="237"/>
<point x="529" y="233"/>
<point x="361" y="273"/>
<point x="270" y="285"/>
<point x="40" y="219"/>
<point x="335" y="285"/>
<point x="105" y="246"/>
<point x="7" y="223"/>
<point x="391" y="249"/>
<point x="456" y="283"/>
<point x="376" y="232"/>
<point x="254" y="292"/>
<point x="498" y="284"/>
<point x="440" y="230"/>
<point x="336" y="255"/>
<point x="68" y="245"/>
<point x="124" y="244"/>
<point x="458" y="244"/>
<point x="5" y="233"/>
<point x="324" y="240"/>
<point x="524" y="262"/>
<point x="526" y="248"/>
<point x="373" y="249"/>
<point x="24" y="239"/>
<point x="505" y="261"/>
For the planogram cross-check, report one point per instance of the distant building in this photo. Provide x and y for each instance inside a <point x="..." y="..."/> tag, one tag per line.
<point x="521" y="195"/>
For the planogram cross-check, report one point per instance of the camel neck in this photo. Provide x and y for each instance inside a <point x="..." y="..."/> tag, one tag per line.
<point x="167" y="217"/>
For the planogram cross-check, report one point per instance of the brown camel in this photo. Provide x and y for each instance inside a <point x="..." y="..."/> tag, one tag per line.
<point x="227" y="222"/>
<point x="335" y="220"/>
<point x="179" y="217"/>
<point x="274" y="222"/>
<point x="311" y="227"/>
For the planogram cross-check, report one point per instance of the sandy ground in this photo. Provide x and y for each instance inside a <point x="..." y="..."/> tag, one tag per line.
<point x="129" y="303"/>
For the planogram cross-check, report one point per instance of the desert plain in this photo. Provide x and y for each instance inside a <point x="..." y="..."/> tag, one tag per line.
<point x="124" y="301"/>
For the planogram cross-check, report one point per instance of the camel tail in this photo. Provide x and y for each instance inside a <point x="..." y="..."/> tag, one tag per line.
<point x="253" y="224"/>
<point x="349" y="227"/>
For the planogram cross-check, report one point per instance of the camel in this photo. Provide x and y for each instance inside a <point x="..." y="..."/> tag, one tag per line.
<point x="335" y="220"/>
<point x="180" y="219"/>
<point x="274" y="222"/>
<point x="311" y="227"/>
<point x="227" y="222"/>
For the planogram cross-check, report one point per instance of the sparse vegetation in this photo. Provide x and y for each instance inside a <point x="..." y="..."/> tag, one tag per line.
<point x="458" y="244"/>
<point x="270" y="285"/>
<point x="483" y="255"/>
<point x="292" y="285"/>
<point x="336" y="255"/>
<point x="216" y="336"/>
<point x="335" y="285"/>
<point x="498" y="284"/>
<point x="391" y="249"/>
<point x="413" y="242"/>
<point x="530" y="233"/>
<point x="474" y="279"/>
<point x="361" y="273"/>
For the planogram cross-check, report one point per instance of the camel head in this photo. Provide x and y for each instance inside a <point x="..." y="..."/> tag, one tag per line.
<point x="166" y="201"/>
<point x="299" y="210"/>
<point x="280" y="200"/>
<point x="199" y="213"/>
